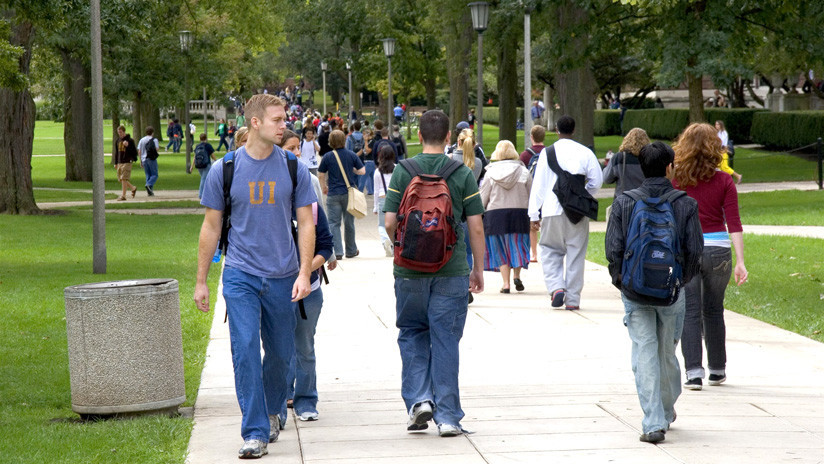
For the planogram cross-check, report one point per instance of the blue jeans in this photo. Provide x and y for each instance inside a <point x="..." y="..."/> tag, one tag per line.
<point x="175" y="144"/>
<point x="431" y="313"/>
<point x="368" y="179"/>
<point x="303" y="387"/>
<point x="203" y="173"/>
<point x="653" y="331"/>
<point x="469" y="256"/>
<point x="150" y="168"/>
<point x="382" y="220"/>
<point x="336" y="208"/>
<point x="705" y="313"/>
<point x="222" y="143"/>
<point x="171" y="142"/>
<point x="260" y="309"/>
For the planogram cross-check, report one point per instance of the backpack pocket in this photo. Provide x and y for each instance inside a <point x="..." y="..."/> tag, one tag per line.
<point x="423" y="240"/>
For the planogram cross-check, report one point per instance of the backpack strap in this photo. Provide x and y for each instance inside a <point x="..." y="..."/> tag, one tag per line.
<point x="411" y="167"/>
<point x="448" y="168"/>
<point x="673" y="195"/>
<point x="292" y="164"/>
<point x="552" y="160"/>
<point x="228" y="176"/>
<point x="531" y="151"/>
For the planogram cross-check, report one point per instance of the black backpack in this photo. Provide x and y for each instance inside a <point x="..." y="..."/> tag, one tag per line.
<point x="201" y="156"/>
<point x="571" y="191"/>
<point x="151" y="150"/>
<point x="532" y="161"/>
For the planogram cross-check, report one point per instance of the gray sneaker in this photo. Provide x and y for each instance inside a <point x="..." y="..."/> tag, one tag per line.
<point x="253" y="449"/>
<point x="449" y="430"/>
<point x="308" y="416"/>
<point x="274" y="428"/>
<point x="420" y="415"/>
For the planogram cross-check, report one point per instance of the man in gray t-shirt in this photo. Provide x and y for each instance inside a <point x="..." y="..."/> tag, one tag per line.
<point x="262" y="277"/>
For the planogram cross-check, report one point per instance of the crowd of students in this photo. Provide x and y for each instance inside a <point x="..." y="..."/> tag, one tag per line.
<point x="498" y="205"/>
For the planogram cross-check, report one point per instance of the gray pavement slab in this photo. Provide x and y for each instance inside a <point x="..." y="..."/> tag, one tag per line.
<point x="537" y="384"/>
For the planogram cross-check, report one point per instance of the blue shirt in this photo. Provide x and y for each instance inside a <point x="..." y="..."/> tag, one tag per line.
<point x="260" y="240"/>
<point x="329" y="165"/>
<point x="398" y="111"/>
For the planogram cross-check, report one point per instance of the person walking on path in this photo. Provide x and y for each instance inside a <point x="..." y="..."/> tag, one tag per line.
<point x="431" y="308"/>
<point x="654" y="323"/>
<point x="204" y="155"/>
<point x="561" y="239"/>
<point x="262" y="277"/>
<point x="697" y="155"/>
<point x="170" y="129"/>
<point x="148" y="147"/>
<point x="334" y="186"/>
<point x="222" y="131"/>
<point x="383" y="176"/>
<point x="124" y="157"/>
<point x="624" y="169"/>
<point x="505" y="196"/>
<point x="529" y="157"/>
<point x="309" y="146"/>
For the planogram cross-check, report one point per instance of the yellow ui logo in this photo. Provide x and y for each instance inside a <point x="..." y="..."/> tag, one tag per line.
<point x="256" y="198"/>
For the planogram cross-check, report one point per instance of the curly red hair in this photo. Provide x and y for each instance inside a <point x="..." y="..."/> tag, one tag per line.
<point x="697" y="154"/>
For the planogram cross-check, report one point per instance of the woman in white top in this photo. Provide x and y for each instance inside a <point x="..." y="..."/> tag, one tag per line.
<point x="385" y="159"/>
<point x="722" y="134"/>
<point x="309" y="150"/>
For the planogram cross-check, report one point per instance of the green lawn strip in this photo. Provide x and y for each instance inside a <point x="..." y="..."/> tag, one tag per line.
<point x="782" y="208"/>
<point x="188" y="204"/>
<point x="786" y="282"/>
<point x="41" y="256"/>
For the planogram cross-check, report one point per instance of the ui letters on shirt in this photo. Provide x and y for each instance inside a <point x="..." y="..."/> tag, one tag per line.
<point x="256" y="197"/>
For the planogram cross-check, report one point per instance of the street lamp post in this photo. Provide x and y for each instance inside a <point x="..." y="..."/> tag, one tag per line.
<point x="480" y="20"/>
<point x="351" y="105"/>
<point x="527" y="76"/>
<point x="389" y="51"/>
<point x="323" y="68"/>
<point x="98" y="167"/>
<point x="185" y="43"/>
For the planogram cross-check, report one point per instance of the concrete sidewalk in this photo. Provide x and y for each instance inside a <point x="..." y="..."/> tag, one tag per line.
<point x="538" y="385"/>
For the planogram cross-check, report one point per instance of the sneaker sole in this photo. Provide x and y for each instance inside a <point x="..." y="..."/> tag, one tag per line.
<point x="558" y="300"/>
<point x="253" y="455"/>
<point x="450" y="434"/>
<point x="715" y="383"/>
<point x="694" y="387"/>
<point x="420" y="422"/>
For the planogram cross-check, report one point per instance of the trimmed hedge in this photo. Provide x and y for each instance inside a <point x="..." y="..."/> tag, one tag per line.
<point x="787" y="130"/>
<point x="668" y="123"/>
<point x="738" y="121"/>
<point x="659" y="123"/>
<point x="492" y="114"/>
<point x="607" y="122"/>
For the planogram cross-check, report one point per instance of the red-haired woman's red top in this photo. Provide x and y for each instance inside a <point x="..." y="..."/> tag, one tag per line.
<point x="717" y="203"/>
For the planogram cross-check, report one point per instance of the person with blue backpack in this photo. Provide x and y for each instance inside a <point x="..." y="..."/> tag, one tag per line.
<point x="654" y="244"/>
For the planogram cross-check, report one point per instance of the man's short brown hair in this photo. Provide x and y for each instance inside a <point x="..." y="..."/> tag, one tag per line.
<point x="337" y="139"/>
<point x="538" y="133"/>
<point x="256" y="106"/>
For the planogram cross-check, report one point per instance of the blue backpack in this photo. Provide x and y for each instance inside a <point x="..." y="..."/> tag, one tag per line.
<point x="653" y="262"/>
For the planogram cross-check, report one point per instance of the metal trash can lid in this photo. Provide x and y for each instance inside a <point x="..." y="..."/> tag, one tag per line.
<point x="121" y="287"/>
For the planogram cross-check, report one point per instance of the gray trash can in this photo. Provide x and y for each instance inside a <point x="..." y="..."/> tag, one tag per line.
<point x="125" y="346"/>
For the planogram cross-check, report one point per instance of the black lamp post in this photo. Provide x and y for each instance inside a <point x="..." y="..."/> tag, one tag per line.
<point x="185" y="43"/>
<point x="389" y="51"/>
<point x="480" y="20"/>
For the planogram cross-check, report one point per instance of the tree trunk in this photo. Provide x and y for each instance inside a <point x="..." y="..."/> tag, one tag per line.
<point x="458" y="39"/>
<point x="696" y="93"/>
<point x="115" y="125"/>
<point x="430" y="86"/>
<point x="137" y="117"/>
<point x="508" y="87"/>
<point x="576" y="87"/>
<point x="77" y="131"/>
<point x="159" y="132"/>
<point x="17" y="115"/>
<point x="146" y="112"/>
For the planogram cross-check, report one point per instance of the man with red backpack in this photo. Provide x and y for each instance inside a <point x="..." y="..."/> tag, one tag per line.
<point x="426" y="200"/>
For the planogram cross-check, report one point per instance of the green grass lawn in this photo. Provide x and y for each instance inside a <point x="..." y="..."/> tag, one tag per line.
<point x="785" y="285"/>
<point x="41" y="256"/>
<point x="45" y="196"/>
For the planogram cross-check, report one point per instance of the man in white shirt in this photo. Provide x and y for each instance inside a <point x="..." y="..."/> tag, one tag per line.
<point x="561" y="238"/>
<point x="149" y="161"/>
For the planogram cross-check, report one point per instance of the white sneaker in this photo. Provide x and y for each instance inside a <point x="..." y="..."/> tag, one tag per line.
<point x="449" y="430"/>
<point x="387" y="247"/>
<point x="253" y="449"/>
<point x="308" y="416"/>
<point x="420" y="415"/>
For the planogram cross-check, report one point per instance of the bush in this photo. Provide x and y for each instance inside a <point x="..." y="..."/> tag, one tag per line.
<point x="607" y="122"/>
<point x="664" y="124"/>
<point x="787" y="130"/>
<point x="738" y="121"/>
<point x="492" y="114"/>
<point x="667" y="124"/>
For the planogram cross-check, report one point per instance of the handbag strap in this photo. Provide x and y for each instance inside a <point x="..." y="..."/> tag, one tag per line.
<point x="345" y="177"/>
